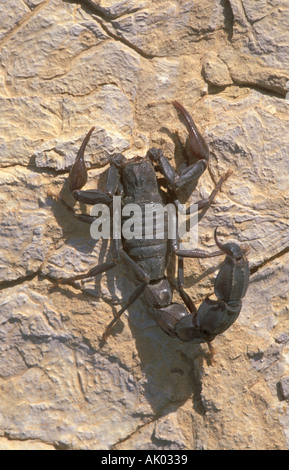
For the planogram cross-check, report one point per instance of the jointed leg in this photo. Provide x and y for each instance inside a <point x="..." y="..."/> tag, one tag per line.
<point x="211" y="353"/>
<point x="139" y="272"/>
<point x="186" y="298"/>
<point x="82" y="217"/>
<point x="133" y="297"/>
<point x="209" y="200"/>
<point x="197" y="253"/>
<point x="180" y="279"/>
<point x="191" y="254"/>
<point x="95" y="271"/>
<point x="190" y="304"/>
<point x="101" y="268"/>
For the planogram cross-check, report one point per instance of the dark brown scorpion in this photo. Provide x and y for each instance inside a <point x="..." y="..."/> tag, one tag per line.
<point x="136" y="182"/>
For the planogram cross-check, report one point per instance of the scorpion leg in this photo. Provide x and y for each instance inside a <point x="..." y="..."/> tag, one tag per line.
<point x="99" y="269"/>
<point x="133" y="297"/>
<point x="197" y="253"/>
<point x="180" y="283"/>
<point x="104" y="267"/>
<point x="190" y="304"/>
<point x="82" y="217"/>
<point x="209" y="200"/>
<point x="95" y="271"/>
<point x="139" y="272"/>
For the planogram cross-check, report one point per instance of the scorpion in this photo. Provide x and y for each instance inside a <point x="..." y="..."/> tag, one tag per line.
<point x="135" y="180"/>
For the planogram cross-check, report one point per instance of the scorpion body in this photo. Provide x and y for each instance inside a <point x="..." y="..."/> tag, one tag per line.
<point x="136" y="182"/>
<point x="140" y="187"/>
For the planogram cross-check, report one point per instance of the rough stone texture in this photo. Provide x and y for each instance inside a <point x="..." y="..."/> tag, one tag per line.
<point x="66" y="66"/>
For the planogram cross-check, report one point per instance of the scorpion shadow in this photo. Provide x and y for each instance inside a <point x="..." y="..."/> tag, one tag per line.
<point x="172" y="369"/>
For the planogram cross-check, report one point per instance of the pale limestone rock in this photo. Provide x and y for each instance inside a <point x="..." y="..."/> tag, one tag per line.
<point x="155" y="29"/>
<point x="117" y="65"/>
<point x="60" y="154"/>
<point x="11" y="16"/>
<point x="8" y="444"/>
<point x="262" y="29"/>
<point x="25" y="228"/>
<point x="247" y="70"/>
<point x="113" y="9"/>
<point x="216" y="71"/>
<point x="69" y="392"/>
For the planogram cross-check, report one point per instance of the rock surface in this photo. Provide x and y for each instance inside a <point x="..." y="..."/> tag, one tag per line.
<point x="66" y="66"/>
